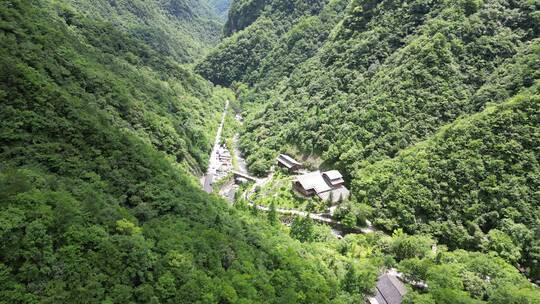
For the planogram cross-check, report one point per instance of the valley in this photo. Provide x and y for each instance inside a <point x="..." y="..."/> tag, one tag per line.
<point x="215" y="162"/>
<point x="270" y="151"/>
<point x="232" y="177"/>
<point x="388" y="93"/>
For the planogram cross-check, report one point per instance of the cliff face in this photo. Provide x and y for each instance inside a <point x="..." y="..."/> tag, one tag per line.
<point x="242" y="14"/>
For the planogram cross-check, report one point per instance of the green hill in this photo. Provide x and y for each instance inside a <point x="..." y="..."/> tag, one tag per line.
<point x="389" y="75"/>
<point x="100" y="131"/>
<point x="182" y="29"/>
<point x="383" y="76"/>
<point x="106" y="127"/>
<point x="474" y="180"/>
<point x="269" y="39"/>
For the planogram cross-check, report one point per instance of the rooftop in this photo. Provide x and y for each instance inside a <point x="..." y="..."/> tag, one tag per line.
<point x="333" y="174"/>
<point x="288" y="161"/>
<point x="390" y="290"/>
<point x="337" y="194"/>
<point x="313" y="181"/>
<point x="324" y="187"/>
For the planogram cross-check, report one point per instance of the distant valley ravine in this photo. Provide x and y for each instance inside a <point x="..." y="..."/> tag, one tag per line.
<point x="270" y="151"/>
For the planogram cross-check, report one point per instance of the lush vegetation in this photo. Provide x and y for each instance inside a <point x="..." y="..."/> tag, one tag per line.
<point x="337" y="103"/>
<point x="99" y="131"/>
<point x="97" y="67"/>
<point x="473" y="185"/>
<point x="436" y="274"/>
<point x="283" y="36"/>
<point x="278" y="191"/>
<point x="182" y="29"/>
<point x="461" y="277"/>
<point x="430" y="109"/>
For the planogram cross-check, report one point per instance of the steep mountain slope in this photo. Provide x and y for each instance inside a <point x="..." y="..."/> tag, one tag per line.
<point x="392" y="74"/>
<point x="243" y="13"/>
<point x="381" y="84"/>
<point x="474" y="180"/>
<point x="276" y="36"/>
<point x="182" y="29"/>
<point x="96" y="204"/>
<point x="143" y="91"/>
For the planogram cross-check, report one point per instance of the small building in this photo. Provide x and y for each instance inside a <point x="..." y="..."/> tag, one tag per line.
<point x="333" y="178"/>
<point x="285" y="161"/>
<point x="328" y="186"/>
<point x="311" y="184"/>
<point x="389" y="290"/>
<point x="335" y="195"/>
<point x="240" y="177"/>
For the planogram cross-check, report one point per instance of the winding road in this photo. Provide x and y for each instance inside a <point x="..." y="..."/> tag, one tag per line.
<point x="320" y="217"/>
<point x="214" y="161"/>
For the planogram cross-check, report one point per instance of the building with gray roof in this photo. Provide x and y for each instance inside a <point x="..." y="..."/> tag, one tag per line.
<point x="328" y="186"/>
<point x="389" y="290"/>
<point x="288" y="162"/>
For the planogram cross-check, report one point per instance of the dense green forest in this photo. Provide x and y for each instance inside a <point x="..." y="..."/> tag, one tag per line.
<point x="473" y="185"/>
<point x="109" y="109"/>
<point x="182" y="29"/>
<point x="270" y="47"/>
<point x="333" y="99"/>
<point x="430" y="109"/>
<point x="100" y="131"/>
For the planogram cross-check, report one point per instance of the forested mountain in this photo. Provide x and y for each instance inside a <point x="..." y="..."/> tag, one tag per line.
<point x="94" y="63"/>
<point x="434" y="57"/>
<point x="429" y="107"/>
<point x="99" y="131"/>
<point x="269" y="47"/>
<point x="182" y="29"/>
<point x="474" y="184"/>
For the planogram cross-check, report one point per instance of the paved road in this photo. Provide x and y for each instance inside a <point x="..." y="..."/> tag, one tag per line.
<point x="214" y="161"/>
<point x="319" y="217"/>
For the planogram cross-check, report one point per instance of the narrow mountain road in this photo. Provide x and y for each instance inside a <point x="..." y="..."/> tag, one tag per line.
<point x="319" y="217"/>
<point x="214" y="161"/>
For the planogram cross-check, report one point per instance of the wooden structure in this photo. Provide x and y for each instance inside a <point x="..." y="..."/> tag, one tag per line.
<point x="333" y="178"/>
<point x="328" y="186"/>
<point x="285" y="161"/>
<point x="239" y="175"/>
<point x="310" y="184"/>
